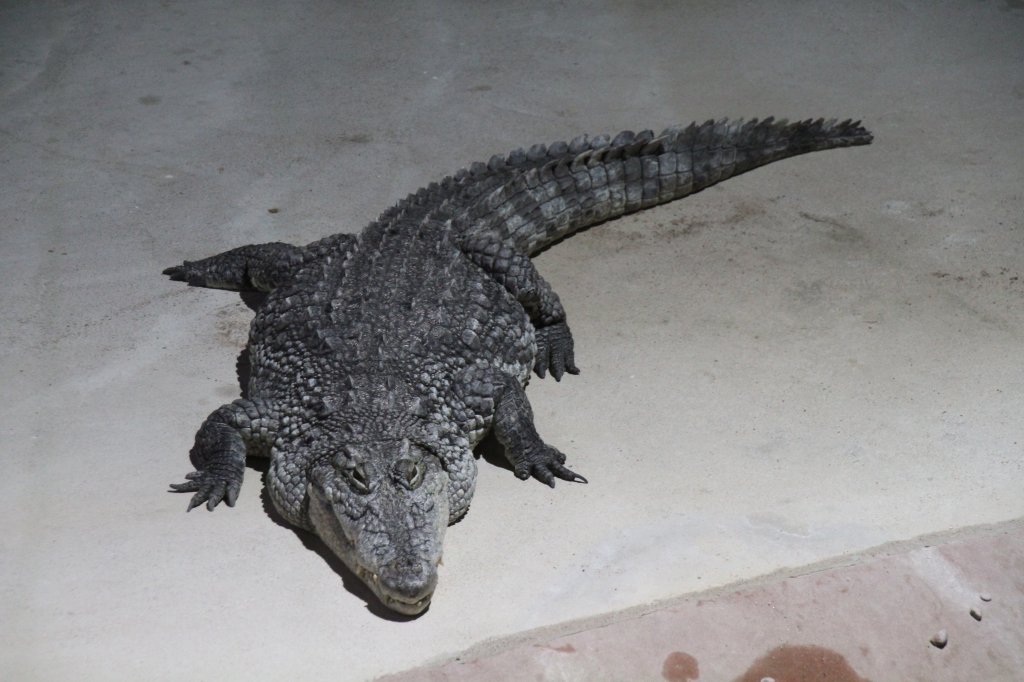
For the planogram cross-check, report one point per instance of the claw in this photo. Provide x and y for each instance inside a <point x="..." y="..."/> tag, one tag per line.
<point x="541" y="364"/>
<point x="189" y="487"/>
<point x="555" y="352"/>
<point x="209" y="489"/>
<point x="567" y="474"/>
<point x="196" y="500"/>
<point x="570" y="363"/>
<point x="216" y="495"/>
<point x="176" y="273"/>
<point x="232" y="494"/>
<point x="185" y="273"/>
<point x="557" y="368"/>
<point x="546" y="466"/>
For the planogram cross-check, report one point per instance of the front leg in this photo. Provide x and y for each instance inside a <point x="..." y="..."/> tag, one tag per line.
<point x="221" y="445"/>
<point x="499" y="398"/>
<point x="528" y="454"/>
<point x="516" y="272"/>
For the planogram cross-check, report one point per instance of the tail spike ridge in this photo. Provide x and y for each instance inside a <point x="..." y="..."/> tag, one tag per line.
<point x="565" y="188"/>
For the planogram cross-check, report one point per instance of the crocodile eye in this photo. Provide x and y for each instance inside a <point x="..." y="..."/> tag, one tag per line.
<point x="409" y="472"/>
<point x="357" y="477"/>
<point x="415" y="476"/>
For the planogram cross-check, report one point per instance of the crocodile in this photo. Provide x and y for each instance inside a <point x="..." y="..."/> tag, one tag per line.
<point x="380" y="360"/>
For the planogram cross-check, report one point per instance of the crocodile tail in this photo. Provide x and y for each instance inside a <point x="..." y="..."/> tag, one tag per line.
<point x="468" y="185"/>
<point x="611" y="177"/>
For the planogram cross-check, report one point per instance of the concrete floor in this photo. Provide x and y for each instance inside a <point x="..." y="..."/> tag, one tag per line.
<point x="806" y="362"/>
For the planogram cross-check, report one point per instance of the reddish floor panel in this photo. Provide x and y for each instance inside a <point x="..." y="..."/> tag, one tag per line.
<point x="874" y="620"/>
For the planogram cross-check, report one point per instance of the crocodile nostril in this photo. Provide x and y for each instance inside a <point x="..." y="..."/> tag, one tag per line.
<point x="409" y="578"/>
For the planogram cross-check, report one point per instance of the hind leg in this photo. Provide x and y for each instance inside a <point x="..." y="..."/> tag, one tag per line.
<point x="258" y="267"/>
<point x="255" y="267"/>
<point x="516" y="272"/>
<point x="526" y="451"/>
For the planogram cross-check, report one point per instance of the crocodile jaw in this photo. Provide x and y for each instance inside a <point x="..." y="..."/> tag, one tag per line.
<point x="400" y="603"/>
<point x="404" y="584"/>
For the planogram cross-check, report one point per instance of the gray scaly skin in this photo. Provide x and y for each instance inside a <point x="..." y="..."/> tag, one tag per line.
<point x="379" y="361"/>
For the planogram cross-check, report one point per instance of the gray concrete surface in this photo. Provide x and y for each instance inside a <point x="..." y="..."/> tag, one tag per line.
<point x="813" y="359"/>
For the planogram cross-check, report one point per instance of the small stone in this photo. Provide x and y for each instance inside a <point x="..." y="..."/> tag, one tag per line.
<point x="985" y="596"/>
<point x="976" y="614"/>
<point x="767" y="679"/>
<point x="939" y="639"/>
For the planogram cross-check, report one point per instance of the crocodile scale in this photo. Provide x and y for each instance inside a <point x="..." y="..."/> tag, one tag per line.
<point x="380" y="360"/>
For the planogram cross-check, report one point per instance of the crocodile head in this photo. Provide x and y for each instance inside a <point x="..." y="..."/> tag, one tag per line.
<point x="382" y="508"/>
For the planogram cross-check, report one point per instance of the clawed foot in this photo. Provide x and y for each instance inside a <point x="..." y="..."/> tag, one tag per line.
<point x="216" y="272"/>
<point x="185" y="273"/>
<point x="555" y="351"/>
<point x="545" y="464"/>
<point x="210" y="488"/>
